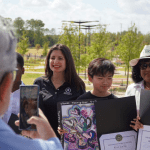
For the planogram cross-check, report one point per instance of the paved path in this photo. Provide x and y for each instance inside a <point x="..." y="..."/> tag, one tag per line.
<point x="88" y="84"/>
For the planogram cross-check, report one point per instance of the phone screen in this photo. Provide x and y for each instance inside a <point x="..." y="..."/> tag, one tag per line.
<point x="28" y="105"/>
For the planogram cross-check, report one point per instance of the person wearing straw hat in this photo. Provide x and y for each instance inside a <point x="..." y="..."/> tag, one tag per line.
<point x="141" y="78"/>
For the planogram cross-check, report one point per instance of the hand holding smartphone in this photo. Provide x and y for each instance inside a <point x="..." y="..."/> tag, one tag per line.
<point x="28" y="105"/>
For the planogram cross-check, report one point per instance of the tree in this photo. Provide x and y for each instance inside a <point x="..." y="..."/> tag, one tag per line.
<point x="52" y="31"/>
<point x="130" y="47"/>
<point x="39" y="32"/>
<point x="19" y="25"/>
<point x="147" y="39"/>
<point x="35" y="31"/>
<point x="69" y="37"/>
<point x="100" y="44"/>
<point x="37" y="47"/>
<point x="45" y="48"/>
<point x="23" y="44"/>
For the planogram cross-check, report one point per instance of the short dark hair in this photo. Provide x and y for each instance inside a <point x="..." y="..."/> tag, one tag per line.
<point x="136" y="75"/>
<point x="71" y="75"/>
<point x="100" y="66"/>
<point x="20" y="60"/>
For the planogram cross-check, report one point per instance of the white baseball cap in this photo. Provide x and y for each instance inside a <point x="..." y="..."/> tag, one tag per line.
<point x="7" y="47"/>
<point x="144" y="55"/>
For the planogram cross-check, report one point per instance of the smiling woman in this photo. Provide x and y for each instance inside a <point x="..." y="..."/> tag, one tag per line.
<point x="141" y="78"/>
<point x="60" y="83"/>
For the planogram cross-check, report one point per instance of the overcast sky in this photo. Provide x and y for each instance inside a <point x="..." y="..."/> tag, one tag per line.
<point x="118" y="14"/>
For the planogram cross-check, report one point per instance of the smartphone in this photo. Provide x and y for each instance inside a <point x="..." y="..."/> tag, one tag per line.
<point x="29" y="104"/>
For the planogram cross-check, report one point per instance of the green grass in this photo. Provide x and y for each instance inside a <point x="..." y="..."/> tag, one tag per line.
<point x="119" y="76"/>
<point x="118" y="89"/>
<point x="33" y="51"/>
<point x="31" y="64"/>
<point x="35" y="70"/>
<point x="123" y="69"/>
<point x="28" y="78"/>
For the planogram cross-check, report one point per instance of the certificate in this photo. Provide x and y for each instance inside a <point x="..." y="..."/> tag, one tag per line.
<point x="118" y="141"/>
<point x="144" y="138"/>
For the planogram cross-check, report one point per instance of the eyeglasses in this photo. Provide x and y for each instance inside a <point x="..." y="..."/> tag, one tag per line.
<point x="14" y="72"/>
<point x="144" y="66"/>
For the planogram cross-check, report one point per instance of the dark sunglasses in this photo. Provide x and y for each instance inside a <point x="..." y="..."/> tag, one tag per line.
<point x="144" y="66"/>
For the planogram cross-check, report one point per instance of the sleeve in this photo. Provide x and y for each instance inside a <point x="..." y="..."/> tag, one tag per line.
<point x="21" y="143"/>
<point x="50" y="144"/>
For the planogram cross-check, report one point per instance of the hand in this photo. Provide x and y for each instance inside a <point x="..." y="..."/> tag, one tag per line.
<point x="137" y="124"/>
<point x="44" y="129"/>
<point x="61" y="131"/>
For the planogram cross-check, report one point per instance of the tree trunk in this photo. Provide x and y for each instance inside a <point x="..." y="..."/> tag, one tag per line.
<point x="127" y="75"/>
<point x="85" y="74"/>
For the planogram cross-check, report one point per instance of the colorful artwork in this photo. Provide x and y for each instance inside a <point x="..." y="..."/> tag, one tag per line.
<point x="80" y="123"/>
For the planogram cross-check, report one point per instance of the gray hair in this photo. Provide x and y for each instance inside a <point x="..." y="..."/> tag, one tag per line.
<point x="7" y="47"/>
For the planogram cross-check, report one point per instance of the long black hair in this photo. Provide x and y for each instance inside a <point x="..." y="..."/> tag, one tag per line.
<point x="71" y="75"/>
<point x="136" y="75"/>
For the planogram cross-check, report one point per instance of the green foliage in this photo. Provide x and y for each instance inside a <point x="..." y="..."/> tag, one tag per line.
<point x="100" y="44"/>
<point x="70" y="38"/>
<point x="130" y="47"/>
<point x="37" y="47"/>
<point x="19" y="25"/>
<point x="45" y="48"/>
<point x="23" y="45"/>
<point x="28" y="78"/>
<point x="147" y="39"/>
<point x="38" y="34"/>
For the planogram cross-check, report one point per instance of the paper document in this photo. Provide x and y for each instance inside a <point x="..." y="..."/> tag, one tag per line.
<point x="119" y="141"/>
<point x="144" y="138"/>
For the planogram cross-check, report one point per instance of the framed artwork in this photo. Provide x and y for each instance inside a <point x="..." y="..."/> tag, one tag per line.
<point x="79" y="120"/>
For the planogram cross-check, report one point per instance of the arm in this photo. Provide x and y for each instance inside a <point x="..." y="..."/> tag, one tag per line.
<point x="43" y="139"/>
<point x="44" y="129"/>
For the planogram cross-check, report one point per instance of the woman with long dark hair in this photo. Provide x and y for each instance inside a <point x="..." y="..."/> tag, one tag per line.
<point x="141" y="78"/>
<point x="60" y="83"/>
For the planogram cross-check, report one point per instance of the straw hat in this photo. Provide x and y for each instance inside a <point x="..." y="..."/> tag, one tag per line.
<point x="144" y="55"/>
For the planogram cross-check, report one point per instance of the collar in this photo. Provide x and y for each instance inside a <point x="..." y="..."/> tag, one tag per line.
<point x="48" y="80"/>
<point x="19" y="88"/>
<point x="139" y="84"/>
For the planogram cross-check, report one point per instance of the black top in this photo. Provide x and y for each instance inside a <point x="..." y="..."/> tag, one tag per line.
<point x="49" y="96"/>
<point x="88" y="95"/>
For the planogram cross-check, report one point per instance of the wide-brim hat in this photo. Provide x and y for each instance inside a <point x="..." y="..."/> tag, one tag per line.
<point x="145" y="54"/>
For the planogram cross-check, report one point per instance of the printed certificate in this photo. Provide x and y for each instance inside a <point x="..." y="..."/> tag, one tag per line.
<point x="118" y="141"/>
<point x="144" y="138"/>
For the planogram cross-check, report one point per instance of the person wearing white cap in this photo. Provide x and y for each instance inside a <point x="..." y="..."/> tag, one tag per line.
<point x="45" y="137"/>
<point x="141" y="78"/>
